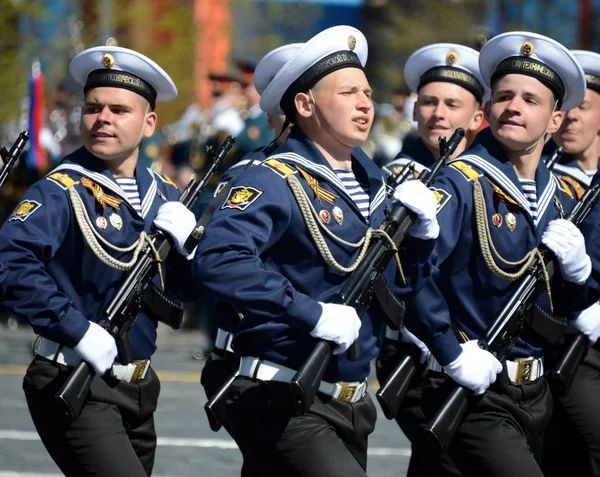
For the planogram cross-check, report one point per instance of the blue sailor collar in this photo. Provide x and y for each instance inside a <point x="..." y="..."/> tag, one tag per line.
<point x="489" y="157"/>
<point x="298" y="148"/>
<point x="86" y="164"/>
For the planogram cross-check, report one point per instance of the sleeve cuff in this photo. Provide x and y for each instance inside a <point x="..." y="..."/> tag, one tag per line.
<point x="445" y="348"/>
<point x="304" y="313"/>
<point x="71" y="328"/>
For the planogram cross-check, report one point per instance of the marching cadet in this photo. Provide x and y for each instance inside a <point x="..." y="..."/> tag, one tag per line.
<point x="222" y="362"/>
<point x="67" y="246"/>
<point x="496" y="205"/>
<point x="280" y="248"/>
<point x="578" y="135"/>
<point x="575" y="427"/>
<point x="450" y="92"/>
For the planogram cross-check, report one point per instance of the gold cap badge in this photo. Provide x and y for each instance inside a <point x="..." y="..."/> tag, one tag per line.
<point x="351" y="43"/>
<point x="108" y="60"/>
<point x="527" y="48"/>
<point x="452" y="57"/>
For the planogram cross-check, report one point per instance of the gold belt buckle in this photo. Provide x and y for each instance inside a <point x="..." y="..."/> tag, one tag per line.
<point x="140" y="367"/>
<point x="347" y="392"/>
<point x="524" y="368"/>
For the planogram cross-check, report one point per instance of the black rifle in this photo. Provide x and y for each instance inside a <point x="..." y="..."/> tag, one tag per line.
<point x="505" y="329"/>
<point x="123" y="309"/>
<point x="554" y="158"/>
<point x="360" y="286"/>
<point x="10" y="157"/>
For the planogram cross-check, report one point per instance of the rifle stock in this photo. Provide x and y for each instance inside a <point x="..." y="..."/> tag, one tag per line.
<point x="391" y="393"/>
<point x="121" y="312"/>
<point x="564" y="372"/>
<point x="358" y="289"/>
<point x="504" y="331"/>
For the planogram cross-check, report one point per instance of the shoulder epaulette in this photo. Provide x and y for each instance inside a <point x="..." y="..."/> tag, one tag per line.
<point x="64" y="181"/>
<point x="466" y="170"/>
<point x="165" y="178"/>
<point x="570" y="186"/>
<point x="280" y="168"/>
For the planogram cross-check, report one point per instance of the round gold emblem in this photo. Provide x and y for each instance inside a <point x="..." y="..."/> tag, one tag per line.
<point x="351" y="43"/>
<point x="452" y="57"/>
<point x="108" y="60"/>
<point x="527" y="48"/>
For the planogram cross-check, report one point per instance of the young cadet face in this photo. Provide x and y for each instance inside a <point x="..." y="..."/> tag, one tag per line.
<point x="442" y="107"/>
<point x="344" y="105"/>
<point x="114" y="121"/>
<point x="521" y="111"/>
<point x="580" y="128"/>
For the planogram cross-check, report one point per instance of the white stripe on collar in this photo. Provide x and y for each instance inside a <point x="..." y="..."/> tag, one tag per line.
<point x="328" y="174"/>
<point x="318" y="169"/>
<point x="546" y="198"/>
<point x="508" y="186"/>
<point x="106" y="182"/>
<point x="150" y="195"/>
<point x="573" y="172"/>
<point x="378" y="199"/>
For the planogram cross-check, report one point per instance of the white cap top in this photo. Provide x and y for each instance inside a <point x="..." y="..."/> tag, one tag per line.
<point x="118" y="67"/>
<point x="446" y="62"/>
<point x="332" y="49"/>
<point x="271" y="63"/>
<point x="538" y="56"/>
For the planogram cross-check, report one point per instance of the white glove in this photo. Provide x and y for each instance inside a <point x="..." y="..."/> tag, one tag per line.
<point x="588" y="322"/>
<point x="474" y="368"/>
<point x="178" y="221"/>
<point x="417" y="197"/>
<point x="568" y="244"/>
<point x="410" y="338"/>
<point x="98" y="348"/>
<point x="338" y="323"/>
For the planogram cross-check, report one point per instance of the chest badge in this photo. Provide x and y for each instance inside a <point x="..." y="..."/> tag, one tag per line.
<point x="511" y="221"/>
<point x="325" y="216"/>
<point x="338" y="215"/>
<point x="101" y="222"/>
<point x="497" y="220"/>
<point x="116" y="221"/>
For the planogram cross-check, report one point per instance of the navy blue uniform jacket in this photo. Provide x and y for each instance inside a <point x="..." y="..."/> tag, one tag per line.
<point x="55" y="282"/>
<point x="462" y="289"/>
<point x="257" y="255"/>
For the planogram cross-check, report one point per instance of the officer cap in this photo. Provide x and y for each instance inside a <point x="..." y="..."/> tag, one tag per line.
<point x="225" y="78"/>
<point x="537" y="56"/>
<point x="332" y="49"/>
<point x="117" y="67"/>
<point x="246" y="68"/>
<point x="590" y="62"/>
<point x="271" y="63"/>
<point x="446" y="62"/>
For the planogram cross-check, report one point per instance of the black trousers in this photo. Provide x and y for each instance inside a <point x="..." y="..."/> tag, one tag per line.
<point x="424" y="460"/>
<point x="572" y="445"/>
<point x="331" y="440"/>
<point x="113" y="437"/>
<point x="502" y="433"/>
<point x="219" y="367"/>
